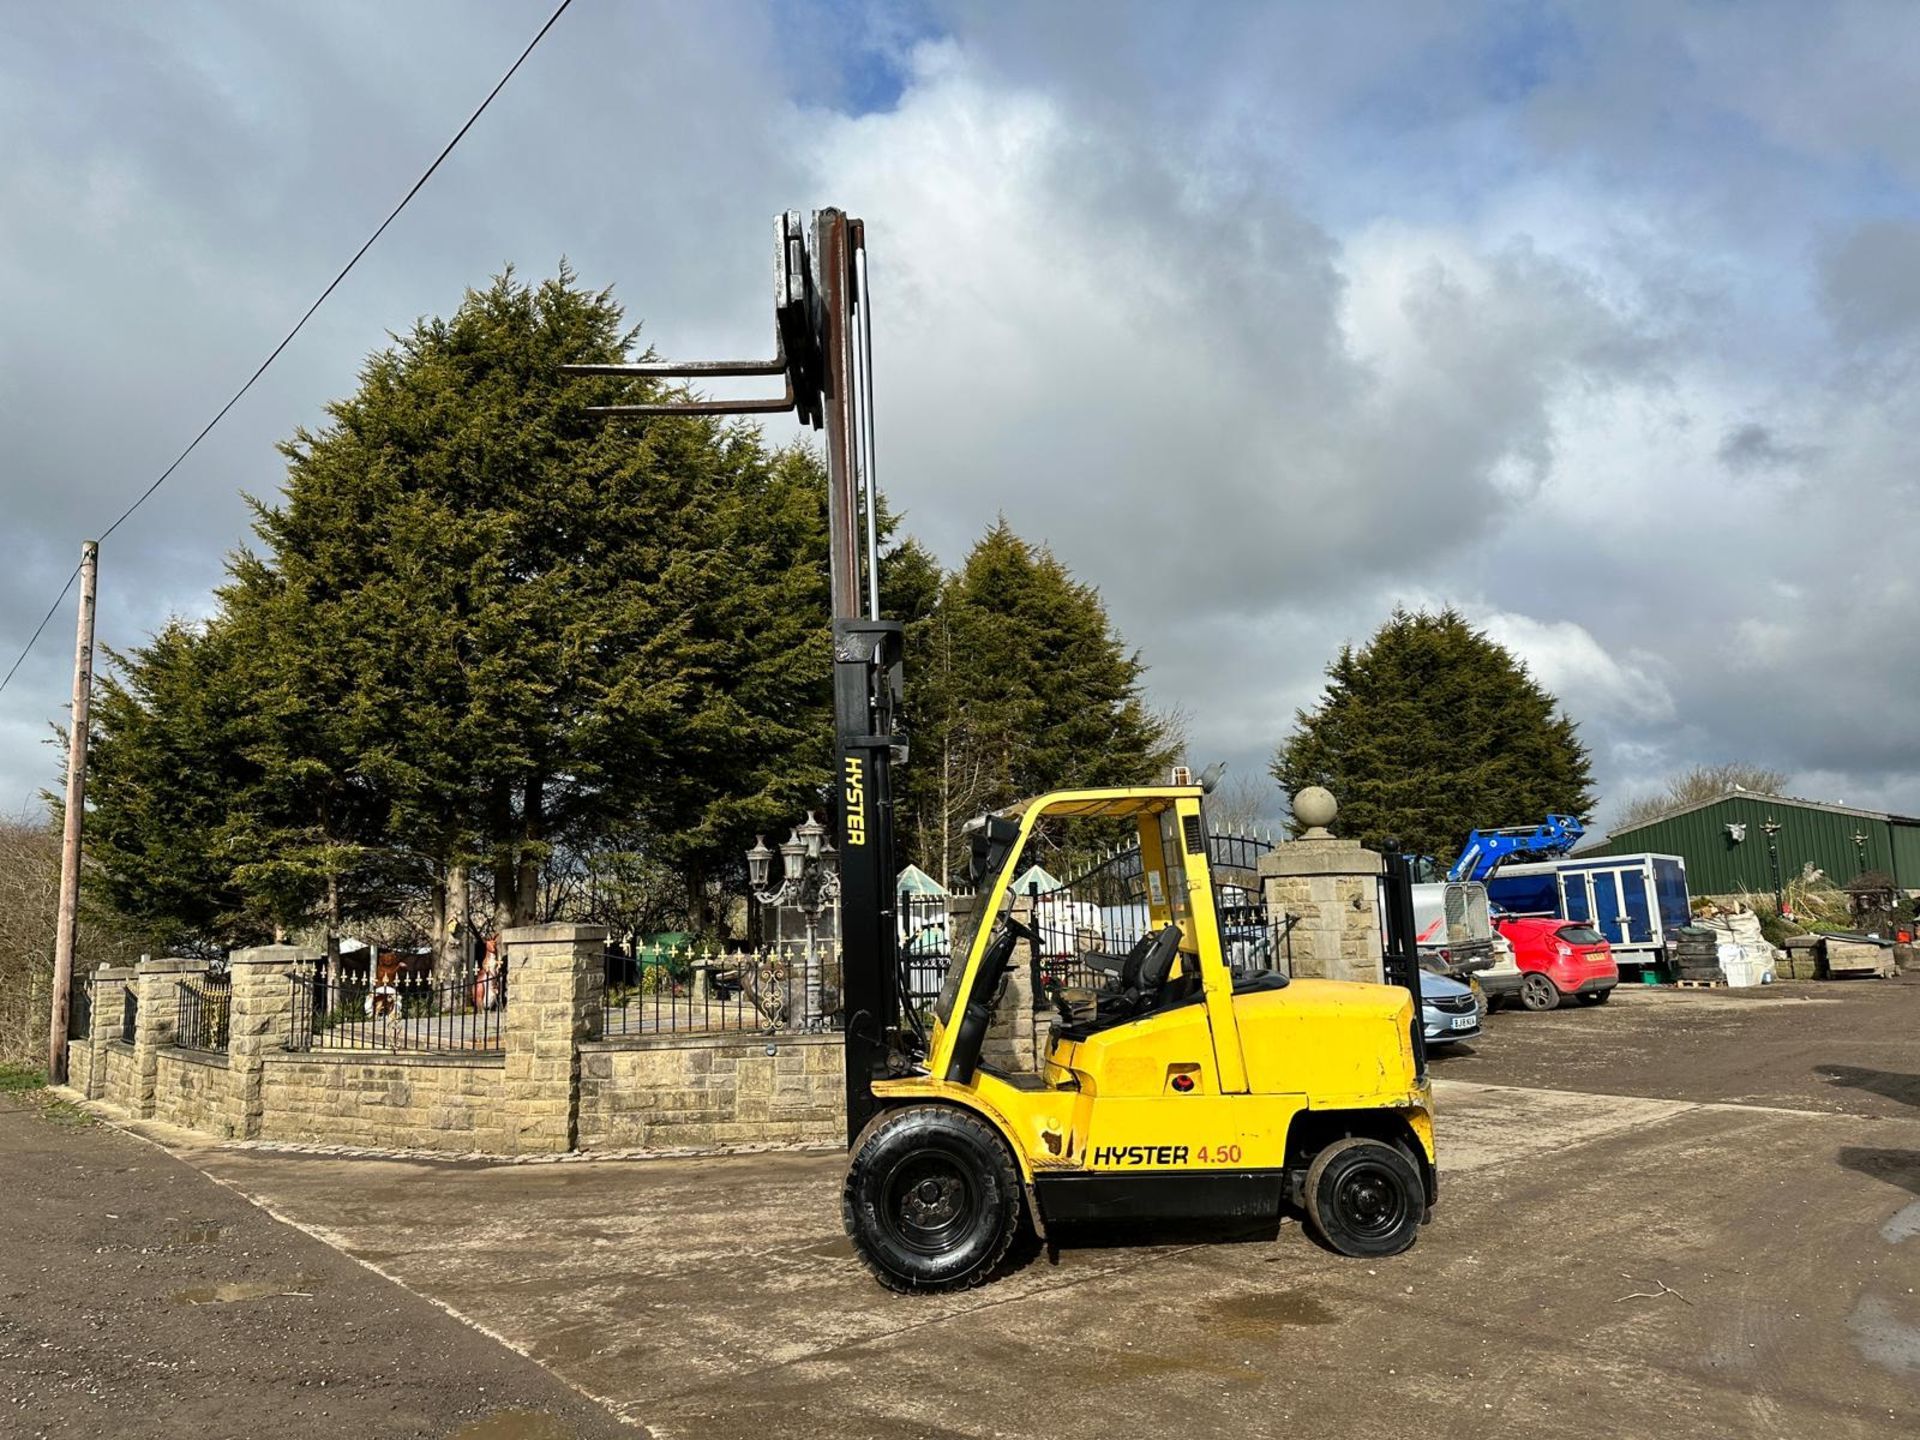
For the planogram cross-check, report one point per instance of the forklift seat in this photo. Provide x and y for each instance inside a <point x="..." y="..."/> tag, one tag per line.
<point x="1134" y="991"/>
<point x="1121" y="971"/>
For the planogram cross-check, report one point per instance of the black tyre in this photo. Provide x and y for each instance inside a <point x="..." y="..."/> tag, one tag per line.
<point x="1365" y="1197"/>
<point x="1594" y="997"/>
<point x="932" y="1199"/>
<point x="1538" y="992"/>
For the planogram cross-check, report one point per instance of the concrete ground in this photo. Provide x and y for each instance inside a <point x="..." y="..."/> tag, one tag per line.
<point x="1681" y="1213"/>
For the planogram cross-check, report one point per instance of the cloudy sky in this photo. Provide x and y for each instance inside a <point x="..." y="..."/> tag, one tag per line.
<point x="1596" y="321"/>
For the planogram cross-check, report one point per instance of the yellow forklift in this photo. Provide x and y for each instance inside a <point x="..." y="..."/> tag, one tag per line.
<point x="1180" y="1082"/>
<point x="1186" y="1084"/>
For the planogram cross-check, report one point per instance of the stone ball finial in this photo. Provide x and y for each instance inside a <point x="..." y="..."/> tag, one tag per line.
<point x="1314" y="807"/>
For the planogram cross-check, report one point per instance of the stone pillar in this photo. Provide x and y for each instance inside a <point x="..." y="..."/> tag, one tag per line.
<point x="556" y="993"/>
<point x="156" y="983"/>
<point x="109" y="1008"/>
<point x="1332" y="885"/>
<point x="262" y="1009"/>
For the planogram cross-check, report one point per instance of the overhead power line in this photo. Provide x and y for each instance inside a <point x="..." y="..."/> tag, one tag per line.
<point x="21" y="657"/>
<point x="298" y="325"/>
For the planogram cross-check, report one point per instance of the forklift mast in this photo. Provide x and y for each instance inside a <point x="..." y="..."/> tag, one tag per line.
<point x="823" y="347"/>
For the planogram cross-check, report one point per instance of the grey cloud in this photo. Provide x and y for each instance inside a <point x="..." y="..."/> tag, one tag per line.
<point x="1870" y="283"/>
<point x="1753" y="447"/>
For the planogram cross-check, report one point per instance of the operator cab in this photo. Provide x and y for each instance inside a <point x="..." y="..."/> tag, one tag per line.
<point x="1122" y="941"/>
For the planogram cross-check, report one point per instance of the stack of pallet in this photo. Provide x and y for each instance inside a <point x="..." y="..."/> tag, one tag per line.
<point x="1850" y="956"/>
<point x="1696" y="955"/>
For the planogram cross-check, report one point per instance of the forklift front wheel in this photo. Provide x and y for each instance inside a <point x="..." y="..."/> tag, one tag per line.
<point x="1365" y="1197"/>
<point x="932" y="1199"/>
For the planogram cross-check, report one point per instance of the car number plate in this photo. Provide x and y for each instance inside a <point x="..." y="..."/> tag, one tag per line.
<point x="1465" y="1022"/>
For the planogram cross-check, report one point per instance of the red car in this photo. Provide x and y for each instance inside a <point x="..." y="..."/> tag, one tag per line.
<point x="1558" y="958"/>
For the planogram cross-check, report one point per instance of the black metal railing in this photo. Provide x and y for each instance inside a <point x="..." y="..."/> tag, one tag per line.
<point x="129" y="1013"/>
<point x="1117" y="877"/>
<point x="203" y="1012"/>
<point x="1254" y="937"/>
<point x="693" y="991"/>
<point x="1082" y="943"/>
<point x="406" y="1013"/>
<point x="926" y="947"/>
<point x="80" y="1010"/>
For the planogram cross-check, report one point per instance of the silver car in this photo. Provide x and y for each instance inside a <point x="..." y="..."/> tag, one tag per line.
<point x="1449" y="1011"/>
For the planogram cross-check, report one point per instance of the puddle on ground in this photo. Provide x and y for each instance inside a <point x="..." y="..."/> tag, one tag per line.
<point x="226" y="1294"/>
<point x="1883" y="1337"/>
<point x="1904" y="1225"/>
<point x="196" y="1232"/>
<point x="1263" y="1312"/>
<point x="517" y="1425"/>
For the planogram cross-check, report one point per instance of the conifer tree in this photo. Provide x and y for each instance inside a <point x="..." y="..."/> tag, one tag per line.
<point x="1430" y="731"/>
<point x="1017" y="684"/>
<point x="481" y="622"/>
<point x="167" y="779"/>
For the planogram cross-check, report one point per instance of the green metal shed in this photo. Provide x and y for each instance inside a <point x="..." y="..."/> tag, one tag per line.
<point x="1724" y="842"/>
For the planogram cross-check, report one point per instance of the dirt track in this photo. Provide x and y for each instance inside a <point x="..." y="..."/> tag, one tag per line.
<point x="1851" y="1046"/>
<point x="139" y="1298"/>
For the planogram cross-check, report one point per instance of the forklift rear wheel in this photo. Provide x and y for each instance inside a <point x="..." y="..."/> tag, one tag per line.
<point x="1365" y="1197"/>
<point x="932" y="1200"/>
<point x="1538" y="992"/>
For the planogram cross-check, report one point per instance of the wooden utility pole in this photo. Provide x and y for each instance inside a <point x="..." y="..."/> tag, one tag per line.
<point x="69" y="921"/>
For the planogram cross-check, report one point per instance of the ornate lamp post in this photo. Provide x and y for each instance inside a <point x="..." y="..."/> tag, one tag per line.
<point x="809" y="880"/>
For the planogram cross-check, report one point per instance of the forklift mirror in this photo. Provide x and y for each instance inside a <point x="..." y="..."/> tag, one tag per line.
<point x="990" y="839"/>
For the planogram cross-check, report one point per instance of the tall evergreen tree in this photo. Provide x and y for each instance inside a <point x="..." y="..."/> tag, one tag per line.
<point x="168" y="783"/>
<point x="1017" y="684"/>
<point x="1431" y="730"/>
<point x="482" y="622"/>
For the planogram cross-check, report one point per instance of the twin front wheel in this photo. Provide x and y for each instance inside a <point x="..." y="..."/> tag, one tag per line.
<point x="933" y="1202"/>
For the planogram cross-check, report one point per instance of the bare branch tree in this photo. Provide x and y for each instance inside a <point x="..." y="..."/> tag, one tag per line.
<point x="1702" y="782"/>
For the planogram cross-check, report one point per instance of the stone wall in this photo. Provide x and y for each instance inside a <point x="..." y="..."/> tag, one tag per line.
<point x="260" y="1006"/>
<point x="194" y="1089"/>
<point x="119" y="1076"/>
<point x="80" y="1066"/>
<point x="658" y="1092"/>
<point x="157" y="984"/>
<point x="547" y="1090"/>
<point x="388" y="1101"/>
<point x="87" y="1058"/>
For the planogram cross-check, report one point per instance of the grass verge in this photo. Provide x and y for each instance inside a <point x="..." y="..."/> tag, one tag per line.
<point x="20" y="1077"/>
